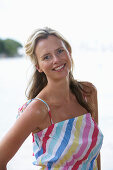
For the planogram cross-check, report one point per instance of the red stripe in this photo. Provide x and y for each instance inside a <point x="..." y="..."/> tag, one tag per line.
<point x="46" y="137"/>
<point x="49" y="113"/>
<point x="94" y="140"/>
<point x="50" y="116"/>
<point x="33" y="138"/>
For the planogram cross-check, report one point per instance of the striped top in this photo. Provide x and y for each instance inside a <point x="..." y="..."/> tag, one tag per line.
<point x="72" y="144"/>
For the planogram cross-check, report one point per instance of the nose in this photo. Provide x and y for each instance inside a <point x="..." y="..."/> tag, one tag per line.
<point x="55" y="59"/>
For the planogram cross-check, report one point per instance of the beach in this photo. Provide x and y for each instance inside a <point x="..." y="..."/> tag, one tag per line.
<point x="95" y="67"/>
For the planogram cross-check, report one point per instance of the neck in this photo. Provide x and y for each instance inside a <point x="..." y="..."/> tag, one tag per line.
<point x="59" y="91"/>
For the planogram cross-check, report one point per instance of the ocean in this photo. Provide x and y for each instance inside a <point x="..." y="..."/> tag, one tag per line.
<point x="92" y="66"/>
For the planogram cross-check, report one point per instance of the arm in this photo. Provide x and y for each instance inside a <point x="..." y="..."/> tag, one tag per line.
<point x="25" y="124"/>
<point x="92" y="99"/>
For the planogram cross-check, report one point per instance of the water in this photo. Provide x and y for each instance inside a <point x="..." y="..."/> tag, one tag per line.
<point x="95" y="67"/>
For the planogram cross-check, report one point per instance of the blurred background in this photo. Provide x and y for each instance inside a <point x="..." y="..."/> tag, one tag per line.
<point x="88" y="27"/>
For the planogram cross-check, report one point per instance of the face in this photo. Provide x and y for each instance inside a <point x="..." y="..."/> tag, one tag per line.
<point x="54" y="59"/>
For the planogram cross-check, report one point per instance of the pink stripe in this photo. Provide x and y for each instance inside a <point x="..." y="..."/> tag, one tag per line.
<point x="94" y="140"/>
<point x="84" y="143"/>
<point x="46" y="137"/>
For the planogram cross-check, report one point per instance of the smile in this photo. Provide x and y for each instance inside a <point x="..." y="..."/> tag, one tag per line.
<point x="59" y="68"/>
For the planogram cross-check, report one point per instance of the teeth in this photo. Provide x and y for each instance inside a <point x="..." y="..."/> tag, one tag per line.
<point x="58" y="68"/>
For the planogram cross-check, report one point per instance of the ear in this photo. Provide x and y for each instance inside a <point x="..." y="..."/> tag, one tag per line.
<point x="37" y="67"/>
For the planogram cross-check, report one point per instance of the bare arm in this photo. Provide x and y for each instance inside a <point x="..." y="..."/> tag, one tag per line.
<point x="27" y="123"/>
<point x="92" y="99"/>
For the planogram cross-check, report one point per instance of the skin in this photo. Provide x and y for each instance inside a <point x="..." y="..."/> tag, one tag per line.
<point x="51" y="53"/>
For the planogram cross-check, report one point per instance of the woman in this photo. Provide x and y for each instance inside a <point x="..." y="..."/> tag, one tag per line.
<point x="61" y="112"/>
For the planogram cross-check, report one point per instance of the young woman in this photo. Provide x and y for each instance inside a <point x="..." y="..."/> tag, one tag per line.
<point x="61" y="113"/>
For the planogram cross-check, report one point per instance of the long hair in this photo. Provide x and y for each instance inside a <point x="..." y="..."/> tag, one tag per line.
<point x="38" y="80"/>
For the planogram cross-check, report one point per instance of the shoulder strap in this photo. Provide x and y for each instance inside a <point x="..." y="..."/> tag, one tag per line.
<point x="47" y="108"/>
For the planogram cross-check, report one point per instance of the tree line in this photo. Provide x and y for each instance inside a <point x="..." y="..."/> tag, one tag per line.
<point x="9" y="47"/>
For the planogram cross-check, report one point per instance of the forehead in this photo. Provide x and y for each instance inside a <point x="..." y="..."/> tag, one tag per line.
<point x="47" y="45"/>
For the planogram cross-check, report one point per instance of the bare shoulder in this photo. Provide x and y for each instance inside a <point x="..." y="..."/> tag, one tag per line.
<point x="36" y="107"/>
<point x="37" y="111"/>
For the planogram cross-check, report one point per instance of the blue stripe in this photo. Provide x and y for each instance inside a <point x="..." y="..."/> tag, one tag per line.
<point x="40" y="152"/>
<point x="36" y="146"/>
<point x="53" y="142"/>
<point x="91" y="163"/>
<point x="63" y="143"/>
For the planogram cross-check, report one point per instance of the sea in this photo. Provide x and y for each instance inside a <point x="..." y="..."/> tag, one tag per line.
<point x="92" y="66"/>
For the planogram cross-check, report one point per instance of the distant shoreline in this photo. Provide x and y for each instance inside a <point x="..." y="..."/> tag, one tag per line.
<point x="6" y="56"/>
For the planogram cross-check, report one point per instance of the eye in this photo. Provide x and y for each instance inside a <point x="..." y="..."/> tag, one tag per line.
<point x="60" y="51"/>
<point x="47" y="57"/>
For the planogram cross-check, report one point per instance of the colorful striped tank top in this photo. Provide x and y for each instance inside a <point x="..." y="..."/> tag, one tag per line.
<point x="72" y="144"/>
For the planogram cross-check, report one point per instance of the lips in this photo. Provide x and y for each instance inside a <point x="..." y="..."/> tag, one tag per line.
<point x="59" y="67"/>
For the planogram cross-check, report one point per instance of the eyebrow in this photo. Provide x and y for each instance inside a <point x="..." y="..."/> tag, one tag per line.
<point x="49" y="53"/>
<point x="58" y="48"/>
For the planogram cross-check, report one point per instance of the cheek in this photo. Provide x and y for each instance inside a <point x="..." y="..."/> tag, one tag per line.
<point x="45" y="66"/>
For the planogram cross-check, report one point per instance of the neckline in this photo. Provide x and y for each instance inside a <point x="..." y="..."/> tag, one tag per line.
<point x="54" y="124"/>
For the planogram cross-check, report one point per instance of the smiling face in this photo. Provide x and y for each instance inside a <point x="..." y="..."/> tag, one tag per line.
<point x="54" y="59"/>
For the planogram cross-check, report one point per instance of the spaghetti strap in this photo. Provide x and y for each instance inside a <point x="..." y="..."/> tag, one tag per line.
<point x="47" y="108"/>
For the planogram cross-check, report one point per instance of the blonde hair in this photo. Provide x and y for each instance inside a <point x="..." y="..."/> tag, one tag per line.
<point x="39" y="80"/>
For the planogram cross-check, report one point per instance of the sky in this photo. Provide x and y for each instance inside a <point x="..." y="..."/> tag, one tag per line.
<point x="77" y="20"/>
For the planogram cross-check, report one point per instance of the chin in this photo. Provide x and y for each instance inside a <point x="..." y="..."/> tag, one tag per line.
<point x="61" y="77"/>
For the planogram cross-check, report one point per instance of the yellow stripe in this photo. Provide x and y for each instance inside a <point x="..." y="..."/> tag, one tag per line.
<point x="41" y="165"/>
<point x="95" y="165"/>
<point x="73" y="146"/>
